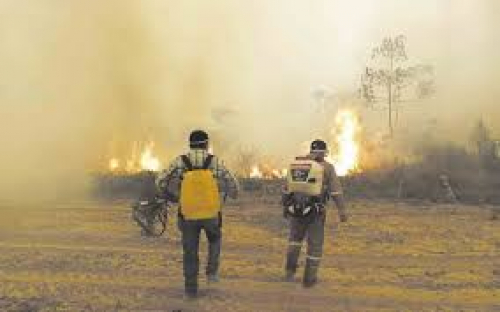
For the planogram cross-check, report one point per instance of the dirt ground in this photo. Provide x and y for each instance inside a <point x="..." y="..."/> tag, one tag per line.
<point x="88" y="255"/>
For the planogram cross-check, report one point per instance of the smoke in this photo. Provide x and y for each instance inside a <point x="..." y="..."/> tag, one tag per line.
<point x="81" y="80"/>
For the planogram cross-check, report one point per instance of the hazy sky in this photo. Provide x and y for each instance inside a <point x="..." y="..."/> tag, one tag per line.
<point x="82" y="79"/>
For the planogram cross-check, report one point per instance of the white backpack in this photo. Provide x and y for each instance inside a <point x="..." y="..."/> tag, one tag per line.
<point x="305" y="176"/>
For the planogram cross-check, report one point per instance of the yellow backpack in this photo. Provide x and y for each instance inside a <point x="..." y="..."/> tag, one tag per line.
<point x="199" y="191"/>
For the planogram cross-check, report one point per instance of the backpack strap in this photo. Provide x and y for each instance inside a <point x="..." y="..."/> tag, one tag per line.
<point x="208" y="161"/>
<point x="187" y="162"/>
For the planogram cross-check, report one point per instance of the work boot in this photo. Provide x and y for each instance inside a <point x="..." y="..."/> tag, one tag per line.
<point x="310" y="274"/>
<point x="191" y="293"/>
<point x="213" y="278"/>
<point x="191" y="289"/>
<point x="289" y="276"/>
<point x="309" y="282"/>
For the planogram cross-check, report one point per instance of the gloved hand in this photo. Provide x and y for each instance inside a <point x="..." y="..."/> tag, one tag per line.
<point x="343" y="217"/>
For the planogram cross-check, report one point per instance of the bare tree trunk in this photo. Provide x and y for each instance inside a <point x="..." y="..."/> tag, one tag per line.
<point x="391" y="130"/>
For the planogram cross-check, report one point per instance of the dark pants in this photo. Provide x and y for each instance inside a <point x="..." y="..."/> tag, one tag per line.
<point x="312" y="227"/>
<point x="191" y="230"/>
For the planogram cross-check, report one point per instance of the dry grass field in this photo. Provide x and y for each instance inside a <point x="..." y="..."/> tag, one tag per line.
<point x="89" y="256"/>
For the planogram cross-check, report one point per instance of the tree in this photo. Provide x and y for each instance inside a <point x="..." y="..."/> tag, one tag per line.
<point x="390" y="81"/>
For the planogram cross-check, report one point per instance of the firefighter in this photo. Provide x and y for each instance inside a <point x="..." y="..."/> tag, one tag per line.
<point x="203" y="178"/>
<point x="311" y="182"/>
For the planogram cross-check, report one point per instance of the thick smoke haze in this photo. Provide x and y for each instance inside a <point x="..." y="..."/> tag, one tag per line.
<point x="82" y="80"/>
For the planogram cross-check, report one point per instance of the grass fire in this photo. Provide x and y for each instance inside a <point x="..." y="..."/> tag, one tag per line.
<point x="346" y="132"/>
<point x="145" y="160"/>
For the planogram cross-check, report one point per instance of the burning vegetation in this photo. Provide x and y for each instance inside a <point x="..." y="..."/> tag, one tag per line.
<point x="346" y="133"/>
<point x="344" y="137"/>
<point x="266" y="172"/>
<point x="345" y="154"/>
<point x="140" y="160"/>
<point x="374" y="167"/>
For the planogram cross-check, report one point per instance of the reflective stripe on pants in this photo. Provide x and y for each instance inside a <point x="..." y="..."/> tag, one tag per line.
<point x="311" y="227"/>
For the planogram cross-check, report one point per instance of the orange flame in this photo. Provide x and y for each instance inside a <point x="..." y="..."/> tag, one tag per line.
<point x="256" y="173"/>
<point x="347" y="154"/>
<point x="148" y="161"/>
<point x="114" y="164"/>
<point x="145" y="161"/>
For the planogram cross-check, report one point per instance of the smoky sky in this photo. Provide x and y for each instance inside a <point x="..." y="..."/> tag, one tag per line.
<point x="81" y="80"/>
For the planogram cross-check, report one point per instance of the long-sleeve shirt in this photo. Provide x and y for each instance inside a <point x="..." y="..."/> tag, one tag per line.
<point x="170" y="178"/>
<point x="331" y="183"/>
<point x="332" y="187"/>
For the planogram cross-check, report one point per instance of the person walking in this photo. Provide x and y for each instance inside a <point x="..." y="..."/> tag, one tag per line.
<point x="203" y="181"/>
<point x="311" y="183"/>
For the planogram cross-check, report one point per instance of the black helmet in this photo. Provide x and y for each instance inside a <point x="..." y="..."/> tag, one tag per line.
<point x="198" y="139"/>
<point x="318" y="146"/>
